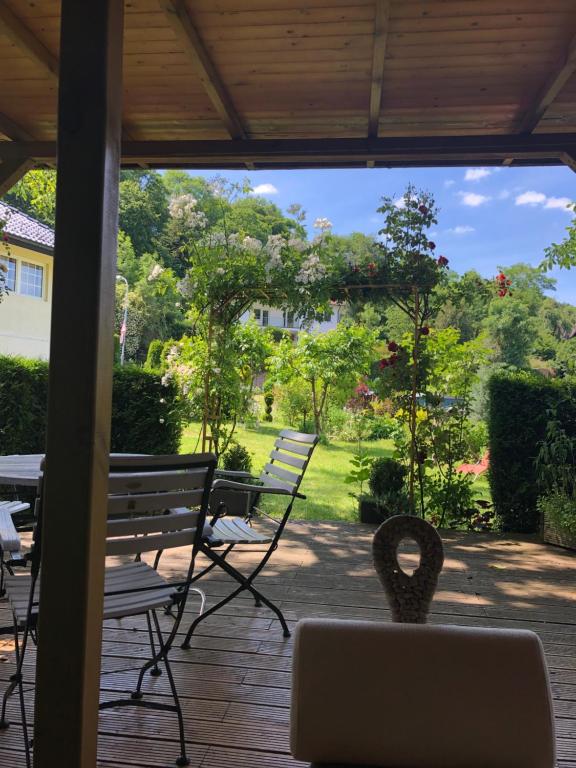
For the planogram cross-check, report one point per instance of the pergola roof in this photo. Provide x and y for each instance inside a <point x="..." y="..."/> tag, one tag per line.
<point x="387" y="81"/>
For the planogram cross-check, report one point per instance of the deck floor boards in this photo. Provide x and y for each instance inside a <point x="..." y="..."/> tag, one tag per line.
<point x="234" y="681"/>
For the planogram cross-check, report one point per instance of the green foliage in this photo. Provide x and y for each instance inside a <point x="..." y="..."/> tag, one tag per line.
<point x="268" y="402"/>
<point x="519" y="410"/>
<point x="35" y="194"/>
<point x="23" y="399"/>
<point x="154" y="356"/>
<point x="359" y="472"/>
<point x="236" y="459"/>
<point x="387" y="476"/>
<point x="143" y="208"/>
<point x="512" y="330"/>
<point x="295" y="404"/>
<point x="559" y="509"/>
<point x="562" y="254"/>
<point x="145" y="415"/>
<point x="325" y="362"/>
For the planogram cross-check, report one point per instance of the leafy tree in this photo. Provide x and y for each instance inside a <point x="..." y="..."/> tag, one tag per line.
<point x="529" y="284"/>
<point x="259" y="218"/>
<point x="562" y="254"/>
<point x="324" y="362"/>
<point x="143" y="208"/>
<point x="512" y="330"/>
<point x="463" y="303"/>
<point x="35" y="194"/>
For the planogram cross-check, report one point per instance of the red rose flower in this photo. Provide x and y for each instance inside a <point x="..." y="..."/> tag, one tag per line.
<point x="392" y="346"/>
<point x="431" y="245"/>
<point x="442" y="261"/>
<point x="393" y="359"/>
<point x="423" y="210"/>
<point x="384" y="363"/>
<point x="425" y="330"/>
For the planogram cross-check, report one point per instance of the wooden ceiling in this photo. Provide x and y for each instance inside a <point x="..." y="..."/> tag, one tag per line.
<point x="228" y="83"/>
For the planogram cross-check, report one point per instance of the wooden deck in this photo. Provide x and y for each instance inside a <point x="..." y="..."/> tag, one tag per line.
<point x="234" y="682"/>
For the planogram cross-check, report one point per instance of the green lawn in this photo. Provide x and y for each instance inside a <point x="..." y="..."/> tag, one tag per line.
<point x="324" y="486"/>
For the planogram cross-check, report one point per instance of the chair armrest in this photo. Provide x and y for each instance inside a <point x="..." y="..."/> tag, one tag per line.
<point x="250" y="488"/>
<point x="232" y="473"/>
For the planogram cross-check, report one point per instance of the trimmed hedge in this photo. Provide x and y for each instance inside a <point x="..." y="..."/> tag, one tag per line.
<point x="518" y="411"/>
<point x="146" y="417"/>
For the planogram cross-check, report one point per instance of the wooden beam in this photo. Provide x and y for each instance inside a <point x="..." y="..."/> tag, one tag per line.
<point x="78" y="437"/>
<point x="412" y="151"/>
<point x="381" y="25"/>
<point x="564" y="70"/>
<point x="14" y="131"/>
<point x="19" y="33"/>
<point x="12" y="171"/>
<point x="569" y="159"/>
<point x="187" y="34"/>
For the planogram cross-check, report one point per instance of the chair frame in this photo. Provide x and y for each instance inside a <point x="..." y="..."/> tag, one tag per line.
<point x="274" y="478"/>
<point x="132" y="467"/>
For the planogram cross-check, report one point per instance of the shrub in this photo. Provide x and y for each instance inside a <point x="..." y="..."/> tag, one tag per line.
<point x="386" y="475"/>
<point x="145" y="415"/>
<point x="236" y="458"/>
<point x="154" y="356"/>
<point x="268" y="402"/>
<point x="519" y="410"/>
<point x="560" y="510"/>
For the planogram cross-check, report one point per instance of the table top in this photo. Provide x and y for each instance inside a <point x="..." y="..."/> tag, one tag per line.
<point x="24" y="469"/>
<point x="21" y="469"/>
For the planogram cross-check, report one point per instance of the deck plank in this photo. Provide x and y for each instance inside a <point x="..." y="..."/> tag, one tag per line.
<point x="234" y="681"/>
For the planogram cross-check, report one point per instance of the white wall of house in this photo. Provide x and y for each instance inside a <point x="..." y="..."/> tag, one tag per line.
<point x="277" y="318"/>
<point x="25" y="311"/>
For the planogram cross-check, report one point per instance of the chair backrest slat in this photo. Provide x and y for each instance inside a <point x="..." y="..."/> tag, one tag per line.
<point x="175" y="520"/>
<point x="301" y="450"/>
<point x="132" y="545"/>
<point x="272" y="482"/>
<point x="131" y="504"/>
<point x="285" y="458"/>
<point x="283" y="474"/>
<point x="155" y="481"/>
<point x="299" y="437"/>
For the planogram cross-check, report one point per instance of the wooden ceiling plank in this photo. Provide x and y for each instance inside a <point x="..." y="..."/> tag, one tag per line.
<point x="551" y="89"/>
<point x="12" y="130"/>
<point x="381" y="26"/>
<point x="19" y="33"/>
<point x="187" y="34"/>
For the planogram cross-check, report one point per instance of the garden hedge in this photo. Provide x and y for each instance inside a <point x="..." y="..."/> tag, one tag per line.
<point x="145" y="413"/>
<point x="518" y="411"/>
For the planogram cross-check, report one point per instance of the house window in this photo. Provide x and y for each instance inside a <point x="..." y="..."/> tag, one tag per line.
<point x="257" y="315"/>
<point x="10" y="275"/>
<point x="288" y="319"/>
<point x="264" y="317"/>
<point x="31" y="279"/>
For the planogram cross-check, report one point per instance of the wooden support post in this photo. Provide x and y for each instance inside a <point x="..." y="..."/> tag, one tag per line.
<point x="80" y="385"/>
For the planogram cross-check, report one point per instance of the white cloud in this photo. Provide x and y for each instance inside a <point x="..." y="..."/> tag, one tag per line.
<point x="559" y="202"/>
<point x="400" y="203"/>
<point x="461" y="229"/>
<point x="475" y="174"/>
<point x="531" y="198"/>
<point x="264" y="189"/>
<point x="472" y="199"/>
<point x="449" y="183"/>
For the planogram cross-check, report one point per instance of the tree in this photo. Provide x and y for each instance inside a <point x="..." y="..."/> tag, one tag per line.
<point x="512" y="330"/>
<point x="562" y="254"/>
<point x="35" y="194"/>
<point x="463" y="303"/>
<point x="325" y="361"/>
<point x="143" y="208"/>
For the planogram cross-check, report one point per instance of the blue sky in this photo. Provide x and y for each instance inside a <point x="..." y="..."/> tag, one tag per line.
<point x="488" y="217"/>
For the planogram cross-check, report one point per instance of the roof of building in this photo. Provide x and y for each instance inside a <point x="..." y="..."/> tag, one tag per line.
<point x="19" y="226"/>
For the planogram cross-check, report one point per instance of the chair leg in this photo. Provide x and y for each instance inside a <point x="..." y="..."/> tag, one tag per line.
<point x="202" y="616"/>
<point x="183" y="758"/>
<point x="259" y="597"/>
<point x="155" y="671"/>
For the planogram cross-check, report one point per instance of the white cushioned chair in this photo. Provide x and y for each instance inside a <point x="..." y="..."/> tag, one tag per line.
<point x="420" y="696"/>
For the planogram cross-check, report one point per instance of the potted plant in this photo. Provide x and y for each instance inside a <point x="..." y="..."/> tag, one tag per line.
<point x="233" y="502"/>
<point x="388" y="497"/>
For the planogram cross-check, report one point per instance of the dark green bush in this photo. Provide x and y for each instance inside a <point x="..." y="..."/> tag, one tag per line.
<point x="145" y="413"/>
<point x="236" y="458"/>
<point x="519" y="408"/>
<point x="154" y="356"/>
<point x="387" y="476"/>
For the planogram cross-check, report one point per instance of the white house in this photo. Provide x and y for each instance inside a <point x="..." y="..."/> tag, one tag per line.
<point x="277" y="318"/>
<point x="27" y="254"/>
